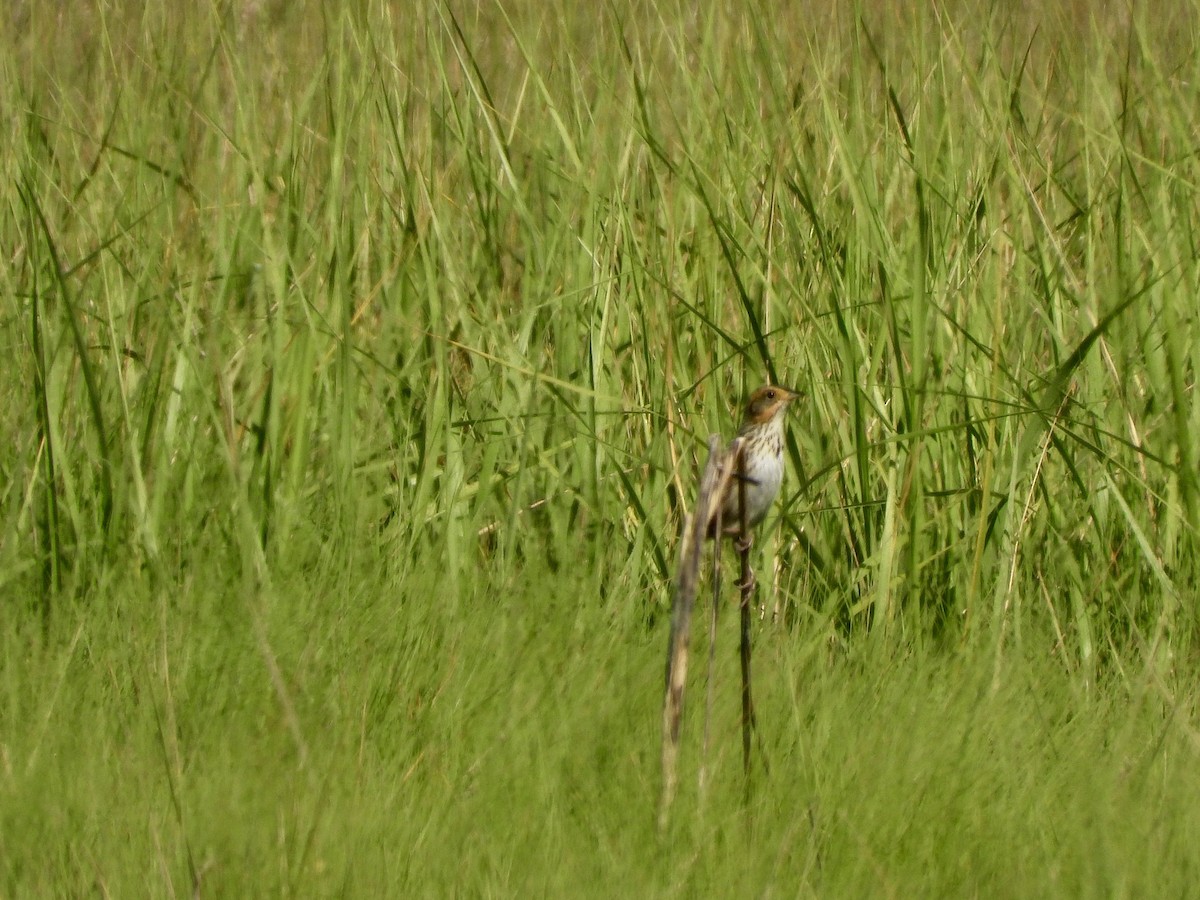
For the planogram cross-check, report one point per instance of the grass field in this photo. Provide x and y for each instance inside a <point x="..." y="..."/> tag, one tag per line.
<point x="358" y="364"/>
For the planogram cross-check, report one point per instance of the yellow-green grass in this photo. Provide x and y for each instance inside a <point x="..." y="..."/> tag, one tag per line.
<point x="359" y="357"/>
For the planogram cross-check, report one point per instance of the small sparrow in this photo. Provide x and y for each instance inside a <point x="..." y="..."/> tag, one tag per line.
<point x="762" y="460"/>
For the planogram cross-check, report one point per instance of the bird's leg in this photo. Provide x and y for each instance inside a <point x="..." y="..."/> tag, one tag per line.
<point x="742" y="543"/>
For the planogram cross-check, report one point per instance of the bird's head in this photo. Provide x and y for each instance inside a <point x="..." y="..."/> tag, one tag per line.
<point x="767" y="403"/>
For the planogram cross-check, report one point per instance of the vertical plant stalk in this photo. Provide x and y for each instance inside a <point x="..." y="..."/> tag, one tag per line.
<point x="713" y="482"/>
<point x="747" y="591"/>
<point x="710" y="675"/>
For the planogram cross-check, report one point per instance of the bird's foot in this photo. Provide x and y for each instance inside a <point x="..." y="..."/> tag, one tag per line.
<point x="743" y="542"/>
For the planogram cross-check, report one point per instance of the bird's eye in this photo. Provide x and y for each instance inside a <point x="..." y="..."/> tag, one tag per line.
<point x="770" y="395"/>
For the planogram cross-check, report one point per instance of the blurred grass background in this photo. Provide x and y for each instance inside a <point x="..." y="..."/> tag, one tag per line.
<point x="359" y="357"/>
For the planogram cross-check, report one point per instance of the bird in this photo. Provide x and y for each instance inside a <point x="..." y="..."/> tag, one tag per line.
<point x="761" y="469"/>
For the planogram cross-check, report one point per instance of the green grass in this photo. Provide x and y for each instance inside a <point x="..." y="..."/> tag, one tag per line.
<point x="358" y="363"/>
